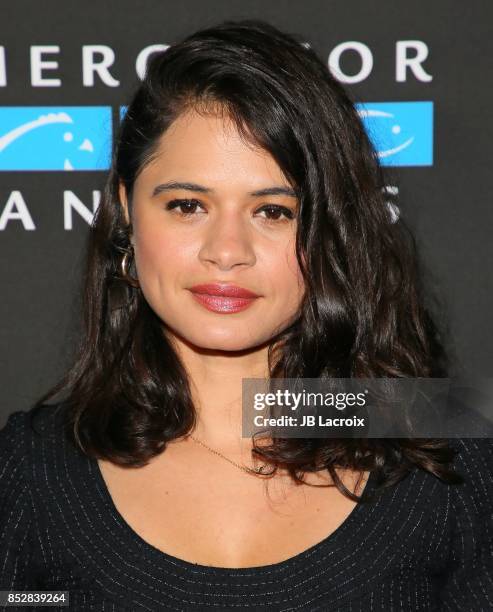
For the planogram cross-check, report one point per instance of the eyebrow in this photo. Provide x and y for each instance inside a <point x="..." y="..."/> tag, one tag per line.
<point x="268" y="191"/>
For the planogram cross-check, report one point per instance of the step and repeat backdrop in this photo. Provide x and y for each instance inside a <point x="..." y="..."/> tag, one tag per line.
<point x="419" y="72"/>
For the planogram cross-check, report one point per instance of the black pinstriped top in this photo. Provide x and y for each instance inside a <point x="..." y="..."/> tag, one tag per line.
<point x="421" y="545"/>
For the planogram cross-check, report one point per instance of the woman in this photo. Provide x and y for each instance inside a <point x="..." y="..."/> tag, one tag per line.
<point x="243" y="233"/>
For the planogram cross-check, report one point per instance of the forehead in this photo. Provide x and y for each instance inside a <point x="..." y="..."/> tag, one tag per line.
<point x="208" y="148"/>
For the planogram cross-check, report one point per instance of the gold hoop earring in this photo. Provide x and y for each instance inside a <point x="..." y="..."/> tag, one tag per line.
<point x="125" y="275"/>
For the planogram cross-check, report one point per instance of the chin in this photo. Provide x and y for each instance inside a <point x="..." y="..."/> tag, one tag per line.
<point x="206" y="337"/>
<point x="224" y="342"/>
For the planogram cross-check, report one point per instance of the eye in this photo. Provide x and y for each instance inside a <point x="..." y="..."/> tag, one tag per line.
<point x="275" y="212"/>
<point x="187" y="206"/>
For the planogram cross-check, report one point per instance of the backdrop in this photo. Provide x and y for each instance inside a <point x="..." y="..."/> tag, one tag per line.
<point x="420" y="72"/>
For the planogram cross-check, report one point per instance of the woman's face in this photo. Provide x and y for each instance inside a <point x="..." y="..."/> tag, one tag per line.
<point x="212" y="209"/>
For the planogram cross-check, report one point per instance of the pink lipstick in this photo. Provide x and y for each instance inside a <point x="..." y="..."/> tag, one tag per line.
<point x="223" y="298"/>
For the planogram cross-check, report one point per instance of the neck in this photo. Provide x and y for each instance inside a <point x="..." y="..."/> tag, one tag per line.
<point x="216" y="387"/>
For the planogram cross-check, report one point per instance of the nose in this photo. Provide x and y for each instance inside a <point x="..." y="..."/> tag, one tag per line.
<point x="228" y="242"/>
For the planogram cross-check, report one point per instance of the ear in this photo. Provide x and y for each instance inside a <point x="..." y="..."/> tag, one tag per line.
<point x="122" y="193"/>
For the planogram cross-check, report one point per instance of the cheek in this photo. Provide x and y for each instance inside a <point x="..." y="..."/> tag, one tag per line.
<point x="286" y="276"/>
<point x="159" y="255"/>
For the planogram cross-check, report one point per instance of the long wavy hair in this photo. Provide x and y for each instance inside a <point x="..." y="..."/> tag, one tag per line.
<point x="363" y="314"/>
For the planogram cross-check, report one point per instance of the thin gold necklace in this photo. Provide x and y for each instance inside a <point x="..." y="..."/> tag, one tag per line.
<point x="259" y="470"/>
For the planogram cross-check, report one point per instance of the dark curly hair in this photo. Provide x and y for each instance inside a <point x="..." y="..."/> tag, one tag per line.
<point x="363" y="314"/>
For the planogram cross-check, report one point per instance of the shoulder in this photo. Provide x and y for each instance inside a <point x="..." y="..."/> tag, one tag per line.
<point x="473" y="498"/>
<point x="24" y="467"/>
<point x="24" y="434"/>
<point x="462" y="514"/>
<point x="13" y="442"/>
<point x="463" y="529"/>
<point x="12" y="432"/>
<point x="12" y="452"/>
<point x="34" y="454"/>
<point x="22" y="428"/>
<point x="452" y="507"/>
<point x="474" y="462"/>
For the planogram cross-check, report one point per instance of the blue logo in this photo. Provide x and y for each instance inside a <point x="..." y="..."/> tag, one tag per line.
<point x="55" y="138"/>
<point x="401" y="132"/>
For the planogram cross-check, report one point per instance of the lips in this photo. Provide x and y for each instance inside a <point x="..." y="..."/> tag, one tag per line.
<point x="223" y="290"/>
<point x="223" y="298"/>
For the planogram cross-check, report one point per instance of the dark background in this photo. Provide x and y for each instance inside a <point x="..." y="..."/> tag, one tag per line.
<point x="449" y="204"/>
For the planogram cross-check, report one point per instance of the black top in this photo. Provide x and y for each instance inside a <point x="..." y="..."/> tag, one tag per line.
<point x="421" y="545"/>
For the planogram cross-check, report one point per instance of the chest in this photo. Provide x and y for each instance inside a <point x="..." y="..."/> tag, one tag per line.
<point x="224" y="517"/>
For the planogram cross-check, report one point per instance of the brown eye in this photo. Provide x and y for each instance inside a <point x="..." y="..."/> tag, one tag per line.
<point x="187" y="207"/>
<point x="276" y="213"/>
